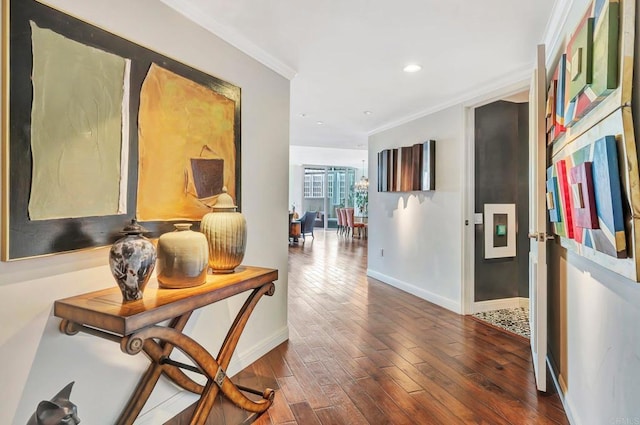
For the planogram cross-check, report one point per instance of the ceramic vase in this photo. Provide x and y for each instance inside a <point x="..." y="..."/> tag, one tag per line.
<point x="183" y="257"/>
<point x="132" y="260"/>
<point x="226" y="232"/>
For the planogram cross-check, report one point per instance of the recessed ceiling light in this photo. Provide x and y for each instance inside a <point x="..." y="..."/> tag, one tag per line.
<point x="412" y="67"/>
<point x="319" y="122"/>
<point x="367" y="112"/>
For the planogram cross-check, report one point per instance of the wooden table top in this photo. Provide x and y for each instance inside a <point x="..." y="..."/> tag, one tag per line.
<point x="104" y="309"/>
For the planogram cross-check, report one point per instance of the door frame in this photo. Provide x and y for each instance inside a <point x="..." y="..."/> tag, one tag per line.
<point x="467" y="179"/>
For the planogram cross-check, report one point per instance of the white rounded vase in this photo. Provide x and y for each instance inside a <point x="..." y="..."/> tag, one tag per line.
<point x="183" y="257"/>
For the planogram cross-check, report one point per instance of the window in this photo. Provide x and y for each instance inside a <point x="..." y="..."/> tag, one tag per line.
<point x="313" y="184"/>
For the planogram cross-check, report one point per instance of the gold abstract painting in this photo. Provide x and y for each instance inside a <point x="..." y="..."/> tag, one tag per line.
<point x="187" y="151"/>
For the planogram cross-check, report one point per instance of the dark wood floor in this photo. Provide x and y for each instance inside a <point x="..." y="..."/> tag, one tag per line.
<point x="362" y="352"/>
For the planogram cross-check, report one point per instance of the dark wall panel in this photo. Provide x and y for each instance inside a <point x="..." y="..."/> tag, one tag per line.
<point x="501" y="157"/>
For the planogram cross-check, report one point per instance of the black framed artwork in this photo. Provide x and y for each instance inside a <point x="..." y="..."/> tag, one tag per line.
<point x="98" y="130"/>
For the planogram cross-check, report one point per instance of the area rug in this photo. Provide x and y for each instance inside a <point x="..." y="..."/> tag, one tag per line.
<point x="515" y="320"/>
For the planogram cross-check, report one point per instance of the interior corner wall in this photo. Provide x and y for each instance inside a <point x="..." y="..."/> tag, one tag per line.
<point x="501" y="177"/>
<point x="37" y="360"/>
<point x="594" y="342"/>
<point x="415" y="238"/>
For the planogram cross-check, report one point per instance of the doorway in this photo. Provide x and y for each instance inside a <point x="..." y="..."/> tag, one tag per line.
<point x="496" y="288"/>
<point x="326" y="188"/>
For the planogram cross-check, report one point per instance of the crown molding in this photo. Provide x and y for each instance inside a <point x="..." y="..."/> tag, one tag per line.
<point x="507" y="84"/>
<point x="552" y="35"/>
<point x="231" y="36"/>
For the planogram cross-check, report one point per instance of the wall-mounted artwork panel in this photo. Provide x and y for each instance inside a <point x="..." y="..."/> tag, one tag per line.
<point x="555" y="101"/>
<point x="594" y="169"/>
<point x="100" y="130"/>
<point x="499" y="230"/>
<point x="601" y="171"/>
<point x="598" y="69"/>
<point x="408" y="168"/>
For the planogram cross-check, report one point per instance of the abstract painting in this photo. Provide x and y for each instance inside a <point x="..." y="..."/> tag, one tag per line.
<point x="78" y="135"/>
<point x="595" y="161"/>
<point x="182" y="124"/>
<point x="596" y="200"/>
<point x="78" y="128"/>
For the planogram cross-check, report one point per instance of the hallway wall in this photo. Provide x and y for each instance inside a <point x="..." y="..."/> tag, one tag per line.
<point x="415" y="237"/>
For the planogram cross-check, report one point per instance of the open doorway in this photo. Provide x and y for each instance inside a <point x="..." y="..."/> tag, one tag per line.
<point x="326" y="188"/>
<point x="500" y="286"/>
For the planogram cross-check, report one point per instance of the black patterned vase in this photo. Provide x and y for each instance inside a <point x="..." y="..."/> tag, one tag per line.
<point x="132" y="260"/>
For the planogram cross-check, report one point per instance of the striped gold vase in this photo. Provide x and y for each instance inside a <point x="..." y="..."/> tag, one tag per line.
<point x="226" y="232"/>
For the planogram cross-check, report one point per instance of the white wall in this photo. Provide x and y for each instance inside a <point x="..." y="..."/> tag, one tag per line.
<point x="305" y="155"/>
<point x="603" y="344"/>
<point x="36" y="359"/>
<point x="420" y="232"/>
<point x="598" y="352"/>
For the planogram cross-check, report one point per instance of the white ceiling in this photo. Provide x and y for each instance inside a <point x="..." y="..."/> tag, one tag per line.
<point x="345" y="57"/>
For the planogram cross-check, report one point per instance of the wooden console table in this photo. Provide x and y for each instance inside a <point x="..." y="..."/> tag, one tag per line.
<point x="134" y="325"/>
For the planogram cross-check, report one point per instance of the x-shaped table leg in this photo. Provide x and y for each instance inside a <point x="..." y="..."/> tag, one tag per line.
<point x="214" y="369"/>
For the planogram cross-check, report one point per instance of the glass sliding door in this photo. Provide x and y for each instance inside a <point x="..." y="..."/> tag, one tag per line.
<point x="325" y="189"/>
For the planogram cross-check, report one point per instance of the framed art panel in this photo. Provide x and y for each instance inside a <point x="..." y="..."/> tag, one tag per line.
<point x="499" y="230"/>
<point x="98" y="130"/>
<point x="407" y="168"/>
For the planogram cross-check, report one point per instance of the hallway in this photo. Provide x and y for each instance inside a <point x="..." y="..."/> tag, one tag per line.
<point x="363" y="352"/>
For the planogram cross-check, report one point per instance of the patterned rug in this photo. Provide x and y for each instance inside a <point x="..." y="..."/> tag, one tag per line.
<point x="515" y="320"/>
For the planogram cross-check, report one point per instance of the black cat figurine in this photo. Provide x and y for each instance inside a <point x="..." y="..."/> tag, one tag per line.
<point x="58" y="411"/>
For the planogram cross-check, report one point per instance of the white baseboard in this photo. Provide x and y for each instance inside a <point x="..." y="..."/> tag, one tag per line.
<point x="167" y="409"/>
<point x="245" y="358"/>
<point x="481" y="306"/>
<point x="565" y="403"/>
<point x="447" y="303"/>
<point x="183" y="399"/>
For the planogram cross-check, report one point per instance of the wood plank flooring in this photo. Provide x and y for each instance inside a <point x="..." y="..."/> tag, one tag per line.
<point x="363" y="352"/>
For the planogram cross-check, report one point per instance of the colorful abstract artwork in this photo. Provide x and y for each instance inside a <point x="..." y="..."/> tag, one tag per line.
<point x="550" y="110"/>
<point x="555" y="102"/>
<point x="605" y="49"/>
<point x="595" y="160"/>
<point x="553" y="203"/>
<point x="592" y="70"/>
<point x="560" y="76"/>
<point x="608" y="197"/>
<point x="584" y="203"/>
<point x="591" y="198"/>
<point x="579" y="67"/>
<point x="566" y="204"/>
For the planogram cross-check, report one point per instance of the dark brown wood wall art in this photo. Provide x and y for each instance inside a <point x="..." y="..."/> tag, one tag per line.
<point x="407" y="168"/>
